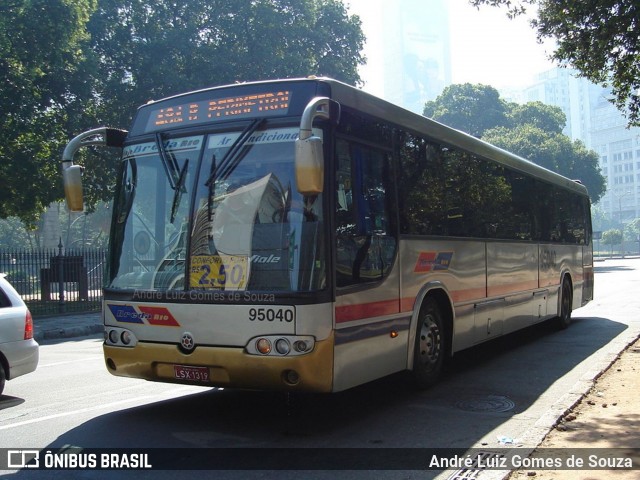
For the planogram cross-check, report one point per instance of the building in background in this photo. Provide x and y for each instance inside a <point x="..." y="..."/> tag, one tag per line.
<point x="574" y="95"/>
<point x="595" y="121"/>
<point x="619" y="151"/>
<point x="410" y="50"/>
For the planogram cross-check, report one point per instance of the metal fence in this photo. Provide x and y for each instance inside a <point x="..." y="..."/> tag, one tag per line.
<point x="56" y="281"/>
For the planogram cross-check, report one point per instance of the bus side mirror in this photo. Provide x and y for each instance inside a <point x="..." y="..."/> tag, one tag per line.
<point x="72" y="180"/>
<point x="72" y="174"/>
<point x="309" y="155"/>
<point x="309" y="166"/>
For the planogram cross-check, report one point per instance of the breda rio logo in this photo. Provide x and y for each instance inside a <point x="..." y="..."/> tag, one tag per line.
<point x="157" y="316"/>
<point x="433" y="261"/>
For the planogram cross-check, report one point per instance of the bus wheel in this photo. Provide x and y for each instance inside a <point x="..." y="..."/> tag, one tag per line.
<point x="429" y="348"/>
<point x="563" y="319"/>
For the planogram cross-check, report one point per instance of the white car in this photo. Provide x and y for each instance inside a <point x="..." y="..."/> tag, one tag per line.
<point x="19" y="352"/>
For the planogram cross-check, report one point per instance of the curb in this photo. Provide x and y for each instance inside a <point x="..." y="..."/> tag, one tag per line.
<point x="80" y="331"/>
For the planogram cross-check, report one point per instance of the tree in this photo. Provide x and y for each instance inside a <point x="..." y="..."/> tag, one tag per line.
<point x="549" y="118"/>
<point x="599" y="38"/>
<point x="70" y="65"/>
<point x="632" y="230"/>
<point x="612" y="237"/>
<point x="532" y="130"/>
<point x="149" y="49"/>
<point x="470" y="108"/>
<point x="13" y="234"/>
<point x="553" y="151"/>
<point x="40" y="44"/>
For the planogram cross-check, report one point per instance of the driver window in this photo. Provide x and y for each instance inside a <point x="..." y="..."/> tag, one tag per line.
<point x="366" y="245"/>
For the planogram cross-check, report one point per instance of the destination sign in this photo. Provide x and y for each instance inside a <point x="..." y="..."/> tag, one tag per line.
<point x="216" y="109"/>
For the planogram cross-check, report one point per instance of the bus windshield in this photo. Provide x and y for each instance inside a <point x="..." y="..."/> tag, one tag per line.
<point x="216" y="212"/>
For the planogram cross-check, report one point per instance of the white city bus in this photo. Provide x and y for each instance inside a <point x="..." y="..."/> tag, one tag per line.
<point x="305" y="235"/>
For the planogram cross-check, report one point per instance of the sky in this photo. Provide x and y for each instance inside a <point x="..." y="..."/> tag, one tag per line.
<point x="486" y="46"/>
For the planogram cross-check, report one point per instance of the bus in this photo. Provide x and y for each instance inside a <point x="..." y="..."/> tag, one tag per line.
<point x="303" y="235"/>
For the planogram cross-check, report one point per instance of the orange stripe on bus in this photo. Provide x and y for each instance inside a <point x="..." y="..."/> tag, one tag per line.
<point x="347" y="313"/>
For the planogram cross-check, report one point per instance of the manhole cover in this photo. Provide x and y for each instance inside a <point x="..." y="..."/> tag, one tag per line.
<point x="490" y="403"/>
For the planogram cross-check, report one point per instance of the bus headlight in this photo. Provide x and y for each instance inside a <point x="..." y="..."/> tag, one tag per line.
<point x="300" y="346"/>
<point x="119" y="337"/>
<point x="263" y="346"/>
<point x="126" y="337"/>
<point x="280" y="345"/>
<point x="283" y="347"/>
<point x="113" y="336"/>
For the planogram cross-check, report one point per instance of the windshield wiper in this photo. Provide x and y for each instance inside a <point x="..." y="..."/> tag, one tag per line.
<point x="179" y="190"/>
<point x="169" y="162"/>
<point x="175" y="174"/>
<point x="229" y="161"/>
<point x="231" y="158"/>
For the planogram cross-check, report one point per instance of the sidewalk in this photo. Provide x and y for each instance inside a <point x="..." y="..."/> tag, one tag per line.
<point x="47" y="329"/>
<point x="607" y="417"/>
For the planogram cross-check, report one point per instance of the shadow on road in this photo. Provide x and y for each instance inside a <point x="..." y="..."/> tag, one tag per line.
<point x="382" y="414"/>
<point x="521" y="366"/>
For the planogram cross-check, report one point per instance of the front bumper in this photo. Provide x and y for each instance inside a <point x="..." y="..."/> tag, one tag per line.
<point x="227" y="367"/>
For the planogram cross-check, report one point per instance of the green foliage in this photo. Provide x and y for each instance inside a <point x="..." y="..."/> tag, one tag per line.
<point x="149" y="49"/>
<point x="553" y="151"/>
<point x="548" y="118"/>
<point x="40" y="49"/>
<point x="612" y="237"/>
<point x="13" y="234"/>
<point x="599" y="38"/>
<point x="632" y="230"/>
<point x="70" y="65"/>
<point x="470" y="108"/>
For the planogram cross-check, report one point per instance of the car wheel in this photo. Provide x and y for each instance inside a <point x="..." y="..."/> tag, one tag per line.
<point x="3" y="378"/>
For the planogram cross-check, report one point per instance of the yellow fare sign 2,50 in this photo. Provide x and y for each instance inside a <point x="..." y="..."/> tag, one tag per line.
<point x="219" y="271"/>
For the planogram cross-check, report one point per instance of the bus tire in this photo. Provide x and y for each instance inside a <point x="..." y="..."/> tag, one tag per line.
<point x="429" y="346"/>
<point x="563" y="320"/>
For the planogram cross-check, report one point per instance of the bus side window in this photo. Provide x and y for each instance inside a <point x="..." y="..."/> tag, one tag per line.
<point x="365" y="243"/>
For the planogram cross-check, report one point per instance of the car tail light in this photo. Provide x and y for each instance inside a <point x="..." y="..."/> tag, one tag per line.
<point x="28" y="326"/>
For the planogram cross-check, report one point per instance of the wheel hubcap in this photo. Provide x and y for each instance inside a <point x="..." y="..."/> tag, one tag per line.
<point x="429" y="341"/>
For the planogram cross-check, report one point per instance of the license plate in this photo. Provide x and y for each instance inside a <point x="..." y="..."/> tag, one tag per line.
<point x="196" y="374"/>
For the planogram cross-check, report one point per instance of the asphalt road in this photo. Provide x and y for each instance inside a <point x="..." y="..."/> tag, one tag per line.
<point x="506" y="393"/>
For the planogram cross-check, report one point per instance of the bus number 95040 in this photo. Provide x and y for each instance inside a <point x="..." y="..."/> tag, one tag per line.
<point x="271" y="315"/>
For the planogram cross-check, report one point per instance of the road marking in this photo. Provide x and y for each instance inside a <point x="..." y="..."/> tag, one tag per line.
<point x="138" y="400"/>
<point x="70" y="361"/>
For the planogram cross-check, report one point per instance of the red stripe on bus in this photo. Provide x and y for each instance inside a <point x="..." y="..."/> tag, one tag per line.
<point x="347" y="313"/>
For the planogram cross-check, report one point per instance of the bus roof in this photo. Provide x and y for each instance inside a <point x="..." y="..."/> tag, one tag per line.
<point x="355" y="98"/>
<point x="419" y="124"/>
